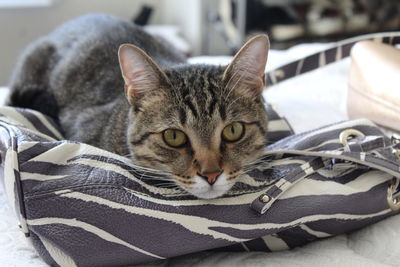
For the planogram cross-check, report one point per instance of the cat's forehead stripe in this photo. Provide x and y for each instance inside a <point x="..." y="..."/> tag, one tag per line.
<point x="182" y="115"/>
<point x="212" y="105"/>
<point x="191" y="107"/>
<point x="222" y="112"/>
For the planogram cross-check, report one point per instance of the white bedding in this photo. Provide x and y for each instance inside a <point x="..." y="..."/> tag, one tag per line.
<point x="309" y="101"/>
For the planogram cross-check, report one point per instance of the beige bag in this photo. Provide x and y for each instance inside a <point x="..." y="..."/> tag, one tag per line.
<point x="374" y="83"/>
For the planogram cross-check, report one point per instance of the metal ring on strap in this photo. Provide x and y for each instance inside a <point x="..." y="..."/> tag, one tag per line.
<point x="344" y="137"/>
<point x="393" y="202"/>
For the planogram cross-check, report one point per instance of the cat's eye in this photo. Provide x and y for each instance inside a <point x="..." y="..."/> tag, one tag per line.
<point x="233" y="132"/>
<point x="174" y="138"/>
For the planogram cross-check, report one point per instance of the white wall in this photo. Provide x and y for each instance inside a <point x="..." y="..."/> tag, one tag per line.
<point x="19" y="26"/>
<point x="189" y="15"/>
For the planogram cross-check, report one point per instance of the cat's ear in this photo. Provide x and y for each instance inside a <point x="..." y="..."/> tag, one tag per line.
<point x="245" y="74"/>
<point x="141" y="74"/>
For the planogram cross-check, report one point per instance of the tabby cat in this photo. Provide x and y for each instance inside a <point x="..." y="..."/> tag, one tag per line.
<point x="202" y="124"/>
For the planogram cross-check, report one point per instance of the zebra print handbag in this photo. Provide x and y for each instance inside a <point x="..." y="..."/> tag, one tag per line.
<point x="83" y="206"/>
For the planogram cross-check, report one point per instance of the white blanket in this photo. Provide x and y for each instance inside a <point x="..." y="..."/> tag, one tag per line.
<point x="309" y="101"/>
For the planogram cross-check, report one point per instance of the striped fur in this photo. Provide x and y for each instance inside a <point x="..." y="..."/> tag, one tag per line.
<point x="199" y="101"/>
<point x="74" y="75"/>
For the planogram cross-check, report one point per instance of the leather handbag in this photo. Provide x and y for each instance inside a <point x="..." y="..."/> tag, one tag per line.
<point x="373" y="78"/>
<point x="82" y="206"/>
<point x="374" y="83"/>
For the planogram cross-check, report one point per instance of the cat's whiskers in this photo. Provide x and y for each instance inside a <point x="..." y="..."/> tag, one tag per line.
<point x="165" y="183"/>
<point x="153" y="178"/>
<point x="137" y="168"/>
<point x="149" y="174"/>
<point x="127" y="155"/>
<point x="168" y="186"/>
<point x="253" y="165"/>
<point x="260" y="159"/>
<point x="149" y="170"/>
<point x="186" y="182"/>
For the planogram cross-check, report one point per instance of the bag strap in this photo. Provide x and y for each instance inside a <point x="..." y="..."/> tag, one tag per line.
<point x="315" y="161"/>
<point x="318" y="60"/>
<point x="368" y="151"/>
<point x="267" y="198"/>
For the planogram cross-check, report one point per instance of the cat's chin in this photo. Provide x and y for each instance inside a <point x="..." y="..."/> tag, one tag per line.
<point x="203" y="190"/>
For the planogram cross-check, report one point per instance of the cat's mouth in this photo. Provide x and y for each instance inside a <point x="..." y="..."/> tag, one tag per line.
<point x="200" y="188"/>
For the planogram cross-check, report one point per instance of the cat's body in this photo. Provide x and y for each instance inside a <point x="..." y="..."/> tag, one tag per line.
<point x="202" y="124"/>
<point x="73" y="75"/>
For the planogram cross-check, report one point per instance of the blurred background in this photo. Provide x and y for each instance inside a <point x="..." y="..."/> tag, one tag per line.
<point x="202" y="27"/>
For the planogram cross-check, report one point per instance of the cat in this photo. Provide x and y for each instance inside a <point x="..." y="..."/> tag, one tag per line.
<point x="110" y="84"/>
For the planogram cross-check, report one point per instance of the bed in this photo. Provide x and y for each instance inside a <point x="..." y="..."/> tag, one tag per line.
<point x="309" y="101"/>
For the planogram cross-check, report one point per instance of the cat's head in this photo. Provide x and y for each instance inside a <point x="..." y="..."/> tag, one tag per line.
<point x="203" y="124"/>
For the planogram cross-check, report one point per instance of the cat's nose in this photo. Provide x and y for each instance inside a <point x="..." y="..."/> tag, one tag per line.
<point x="210" y="176"/>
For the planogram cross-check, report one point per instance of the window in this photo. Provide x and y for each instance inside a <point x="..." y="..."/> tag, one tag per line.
<point x="24" y="3"/>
